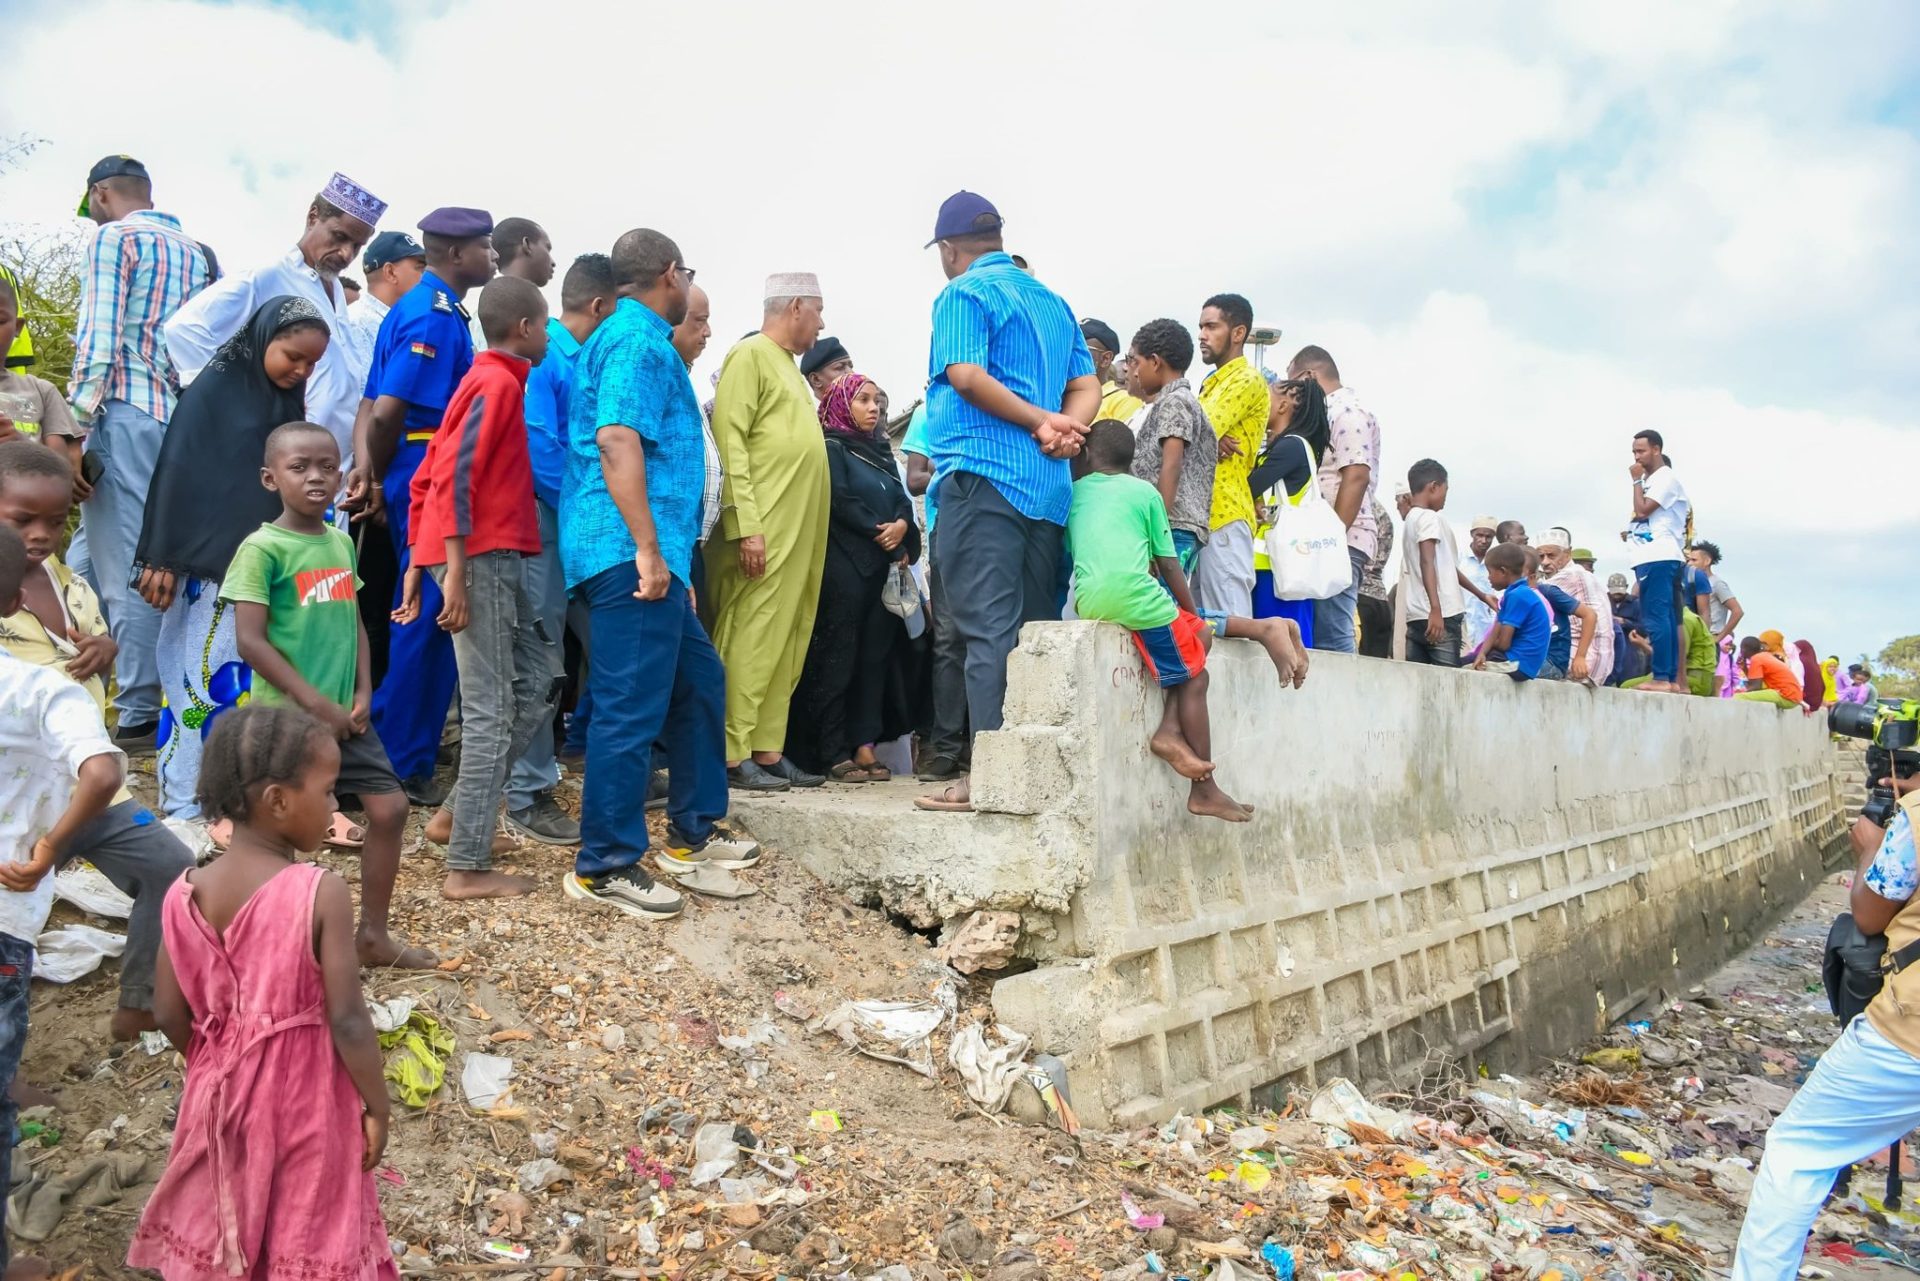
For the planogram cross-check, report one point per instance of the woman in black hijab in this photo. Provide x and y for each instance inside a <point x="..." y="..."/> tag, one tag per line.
<point x="205" y="498"/>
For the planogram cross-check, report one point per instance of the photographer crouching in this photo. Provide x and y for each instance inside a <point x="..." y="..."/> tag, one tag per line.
<point x="1865" y="1092"/>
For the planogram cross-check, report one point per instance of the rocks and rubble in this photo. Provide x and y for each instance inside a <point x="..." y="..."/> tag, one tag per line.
<point x="658" y="1119"/>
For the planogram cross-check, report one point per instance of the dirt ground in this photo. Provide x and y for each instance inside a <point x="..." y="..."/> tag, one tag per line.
<point x="626" y="1037"/>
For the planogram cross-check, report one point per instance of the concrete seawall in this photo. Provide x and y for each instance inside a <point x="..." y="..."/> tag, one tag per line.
<point x="1437" y="861"/>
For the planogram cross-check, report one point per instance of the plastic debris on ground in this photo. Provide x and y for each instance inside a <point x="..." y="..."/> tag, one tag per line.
<point x="87" y="888"/>
<point x="73" y="951"/>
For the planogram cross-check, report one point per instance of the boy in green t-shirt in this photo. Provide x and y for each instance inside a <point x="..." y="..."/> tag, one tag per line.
<point x="1118" y="531"/>
<point x="297" y="623"/>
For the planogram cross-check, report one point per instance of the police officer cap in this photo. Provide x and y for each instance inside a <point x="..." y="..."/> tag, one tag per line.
<point x="457" y="223"/>
<point x="822" y="354"/>
<point x="390" y="246"/>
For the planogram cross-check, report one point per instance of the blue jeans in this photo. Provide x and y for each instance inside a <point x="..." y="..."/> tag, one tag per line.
<point x="656" y="679"/>
<point x="1333" y="628"/>
<point x="16" y="973"/>
<point x="1660" y="614"/>
<point x="127" y="442"/>
<point x="1862" y="1095"/>
<point x="410" y="707"/>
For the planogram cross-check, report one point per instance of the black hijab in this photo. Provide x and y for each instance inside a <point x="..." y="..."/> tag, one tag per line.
<point x="206" y="495"/>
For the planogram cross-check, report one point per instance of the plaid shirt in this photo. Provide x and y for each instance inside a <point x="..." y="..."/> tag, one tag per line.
<point x="710" y="496"/>
<point x="139" y="270"/>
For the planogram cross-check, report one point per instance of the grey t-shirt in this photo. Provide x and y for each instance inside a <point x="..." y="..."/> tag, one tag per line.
<point x="1717" y="603"/>
<point x="1177" y="414"/>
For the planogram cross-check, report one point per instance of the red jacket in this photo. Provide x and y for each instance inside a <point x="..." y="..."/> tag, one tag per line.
<point x="476" y="481"/>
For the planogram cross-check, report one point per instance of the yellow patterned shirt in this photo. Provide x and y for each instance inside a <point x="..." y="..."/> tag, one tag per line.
<point x="1236" y="400"/>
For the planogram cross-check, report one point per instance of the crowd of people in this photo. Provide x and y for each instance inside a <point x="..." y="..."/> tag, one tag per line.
<point x="329" y="534"/>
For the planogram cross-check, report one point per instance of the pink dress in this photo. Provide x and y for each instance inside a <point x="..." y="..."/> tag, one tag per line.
<point x="264" y="1180"/>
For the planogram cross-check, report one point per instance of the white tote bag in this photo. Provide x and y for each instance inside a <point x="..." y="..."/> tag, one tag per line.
<point x="1307" y="549"/>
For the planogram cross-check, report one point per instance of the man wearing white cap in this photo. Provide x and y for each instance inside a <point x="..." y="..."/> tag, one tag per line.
<point x="764" y="562"/>
<point x="1479" y="622"/>
<point x="1556" y="563"/>
<point x="340" y="221"/>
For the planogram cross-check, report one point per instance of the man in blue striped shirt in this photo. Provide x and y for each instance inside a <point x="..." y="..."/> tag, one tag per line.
<point x="1011" y="392"/>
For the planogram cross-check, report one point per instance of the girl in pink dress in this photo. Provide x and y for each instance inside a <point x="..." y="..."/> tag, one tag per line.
<point x="284" y="1114"/>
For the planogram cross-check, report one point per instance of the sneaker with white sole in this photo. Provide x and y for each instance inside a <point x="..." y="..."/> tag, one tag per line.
<point x="544" y="821"/>
<point x="629" y="889"/>
<point x="718" y="850"/>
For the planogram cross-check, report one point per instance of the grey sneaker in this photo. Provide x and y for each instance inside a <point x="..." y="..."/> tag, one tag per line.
<point x="784" y="768"/>
<point x="748" y="776"/>
<point x="629" y="889"/>
<point x="718" y="850"/>
<point x="544" y="821"/>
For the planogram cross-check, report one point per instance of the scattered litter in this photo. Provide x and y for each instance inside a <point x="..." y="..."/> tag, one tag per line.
<point x="893" y="1031"/>
<point x="989" y="1070"/>
<point x="714" y="1152"/>
<point x="73" y="951"/>
<point x="483" y="1079"/>
<point x="87" y="888"/>
<point x="417" y="1047"/>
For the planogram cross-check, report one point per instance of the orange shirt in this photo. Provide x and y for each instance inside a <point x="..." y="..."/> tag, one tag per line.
<point x="1764" y="667"/>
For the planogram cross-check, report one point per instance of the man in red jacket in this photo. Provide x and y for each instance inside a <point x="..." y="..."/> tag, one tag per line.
<point x="472" y="526"/>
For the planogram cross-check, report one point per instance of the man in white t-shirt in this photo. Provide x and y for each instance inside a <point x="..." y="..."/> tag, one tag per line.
<point x="1434" y="588"/>
<point x="1654" y="540"/>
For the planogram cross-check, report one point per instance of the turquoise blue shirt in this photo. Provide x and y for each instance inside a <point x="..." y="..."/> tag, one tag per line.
<point x="628" y="375"/>
<point x="996" y="316"/>
<point x="548" y="387"/>
<point x="915" y="442"/>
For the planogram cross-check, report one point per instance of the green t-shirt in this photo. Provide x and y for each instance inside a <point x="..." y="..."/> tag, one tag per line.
<point x="1116" y="526"/>
<point x="307" y="582"/>
<point x="1701" y="654"/>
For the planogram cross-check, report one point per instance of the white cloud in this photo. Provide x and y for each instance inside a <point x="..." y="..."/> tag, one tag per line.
<point x="1718" y="206"/>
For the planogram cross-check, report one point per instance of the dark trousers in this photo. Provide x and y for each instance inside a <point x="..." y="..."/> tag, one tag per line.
<point x="1000" y="571"/>
<point x="949" y="736"/>
<point x="16" y="974"/>
<point x="379" y="577"/>
<point x="837" y="704"/>
<point x="1442" y="653"/>
<point x="410" y="708"/>
<point x="1376" y="627"/>
<point x="135" y="851"/>
<point x="655" y="679"/>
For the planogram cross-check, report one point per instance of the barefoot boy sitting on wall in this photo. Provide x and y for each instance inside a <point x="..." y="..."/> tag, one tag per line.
<point x="1118" y="531"/>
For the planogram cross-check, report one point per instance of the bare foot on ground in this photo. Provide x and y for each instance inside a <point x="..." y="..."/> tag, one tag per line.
<point x="439" y="830"/>
<point x="461" y="885"/>
<point x="1207" y="800"/>
<point x="27" y="1267"/>
<point x="1172" y="748"/>
<point x="381" y="951"/>
<point x="25" y="1094"/>
<point x="128" y="1023"/>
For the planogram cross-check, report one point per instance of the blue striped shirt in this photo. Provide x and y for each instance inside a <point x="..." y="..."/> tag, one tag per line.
<point x="996" y="316"/>
<point x="628" y="375"/>
<point x="139" y="270"/>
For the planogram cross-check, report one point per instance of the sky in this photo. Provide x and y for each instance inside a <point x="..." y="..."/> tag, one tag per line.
<point x="1525" y="230"/>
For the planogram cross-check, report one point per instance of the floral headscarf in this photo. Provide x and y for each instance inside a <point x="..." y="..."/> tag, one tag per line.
<point x="836" y="411"/>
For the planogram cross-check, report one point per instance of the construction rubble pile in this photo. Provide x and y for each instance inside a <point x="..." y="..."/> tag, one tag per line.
<point x="796" y="1087"/>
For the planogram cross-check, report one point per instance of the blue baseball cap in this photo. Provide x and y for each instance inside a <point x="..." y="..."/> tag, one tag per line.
<point x="390" y="246"/>
<point x="965" y="213"/>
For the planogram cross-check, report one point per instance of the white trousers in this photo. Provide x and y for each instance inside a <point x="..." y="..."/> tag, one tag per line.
<point x="1223" y="578"/>
<point x="1862" y="1095"/>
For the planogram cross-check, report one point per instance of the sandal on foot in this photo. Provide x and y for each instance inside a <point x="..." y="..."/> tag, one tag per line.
<point x="850" y="772"/>
<point x="345" y="834"/>
<point x="877" y="773"/>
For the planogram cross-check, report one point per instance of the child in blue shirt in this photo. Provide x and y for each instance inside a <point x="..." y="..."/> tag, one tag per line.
<point x="1523" y="629"/>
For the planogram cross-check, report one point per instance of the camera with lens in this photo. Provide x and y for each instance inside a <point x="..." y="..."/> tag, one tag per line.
<point x="1891" y="728"/>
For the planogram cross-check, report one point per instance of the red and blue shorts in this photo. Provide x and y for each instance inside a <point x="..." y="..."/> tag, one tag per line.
<point x="1176" y="652"/>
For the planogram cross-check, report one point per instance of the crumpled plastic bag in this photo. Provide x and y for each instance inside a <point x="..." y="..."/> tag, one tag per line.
<point x="87" y="888"/>
<point x="1338" y="1104"/>
<point x="892" y="1031"/>
<point x="714" y="1152"/>
<point x="484" y="1077"/>
<point x="73" y="951"/>
<point x="390" y="1015"/>
<point x="417" y="1049"/>
<point x="988" y="1071"/>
